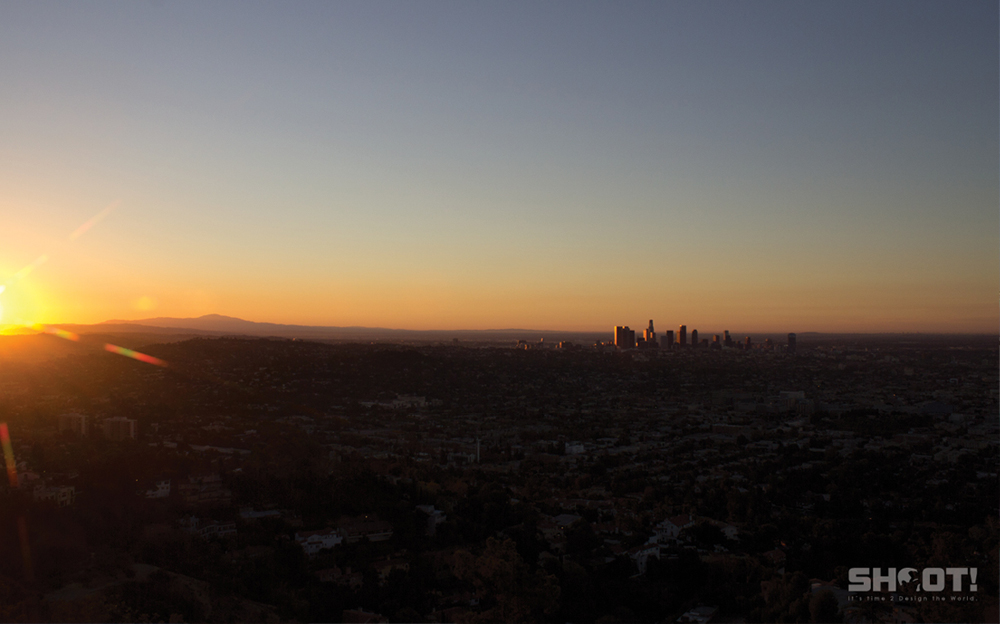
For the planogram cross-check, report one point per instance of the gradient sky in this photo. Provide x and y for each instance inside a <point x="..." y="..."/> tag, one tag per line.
<point x="797" y="166"/>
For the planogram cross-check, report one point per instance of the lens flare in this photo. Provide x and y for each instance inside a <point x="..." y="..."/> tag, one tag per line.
<point x="22" y="525"/>
<point x="8" y="455"/>
<point x="94" y="220"/>
<point x="129" y="353"/>
<point x="135" y="355"/>
<point x="55" y="331"/>
<point x="23" y="273"/>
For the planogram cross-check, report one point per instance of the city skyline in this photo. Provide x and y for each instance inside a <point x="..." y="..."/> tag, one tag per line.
<point x="776" y="167"/>
<point x="623" y="337"/>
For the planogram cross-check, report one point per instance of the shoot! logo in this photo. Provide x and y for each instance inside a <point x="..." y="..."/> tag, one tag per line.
<point x="927" y="580"/>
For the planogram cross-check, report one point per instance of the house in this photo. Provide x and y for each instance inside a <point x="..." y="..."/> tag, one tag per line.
<point x="728" y="530"/>
<point x="161" y="489"/>
<point x="434" y="518"/>
<point x="61" y="495"/>
<point x="208" y="528"/>
<point x="314" y="541"/>
<point x="212" y="528"/>
<point x="671" y="528"/>
<point x="700" y="614"/>
<point x="565" y="520"/>
<point x="641" y="554"/>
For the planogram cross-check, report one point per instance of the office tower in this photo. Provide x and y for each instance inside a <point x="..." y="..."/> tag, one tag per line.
<point x="748" y="342"/>
<point x="77" y="423"/>
<point x="715" y="339"/>
<point x="624" y="337"/>
<point x="727" y="341"/>
<point x="649" y="335"/>
<point x="682" y="335"/>
<point x="694" y="337"/>
<point x="668" y="340"/>
<point x="119" y="428"/>
<point x="791" y="343"/>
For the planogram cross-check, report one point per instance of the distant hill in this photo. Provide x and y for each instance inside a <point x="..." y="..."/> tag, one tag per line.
<point x="127" y="327"/>
<point x="228" y="325"/>
<point x="217" y="324"/>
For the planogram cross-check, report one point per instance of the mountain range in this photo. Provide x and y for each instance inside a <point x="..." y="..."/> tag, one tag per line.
<point x="219" y="325"/>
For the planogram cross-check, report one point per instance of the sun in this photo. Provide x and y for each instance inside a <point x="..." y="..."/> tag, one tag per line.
<point x="21" y="306"/>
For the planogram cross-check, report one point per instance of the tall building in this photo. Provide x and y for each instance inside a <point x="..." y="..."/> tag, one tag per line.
<point x="727" y="341"/>
<point x="791" y="343"/>
<point x="649" y="335"/>
<point x="682" y="335"/>
<point x="748" y="342"/>
<point x="624" y="337"/>
<point x="77" y="423"/>
<point x="694" y="337"/>
<point x="119" y="428"/>
<point x="668" y="340"/>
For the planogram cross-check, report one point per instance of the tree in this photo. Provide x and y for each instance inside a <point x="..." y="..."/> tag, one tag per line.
<point x="823" y="607"/>
<point x="507" y="588"/>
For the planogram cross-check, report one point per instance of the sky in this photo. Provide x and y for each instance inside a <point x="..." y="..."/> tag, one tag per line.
<point x="753" y="166"/>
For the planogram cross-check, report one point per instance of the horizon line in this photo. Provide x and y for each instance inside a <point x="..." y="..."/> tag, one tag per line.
<point x="139" y="322"/>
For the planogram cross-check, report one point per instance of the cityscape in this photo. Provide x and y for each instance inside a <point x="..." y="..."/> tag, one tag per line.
<point x="469" y="312"/>
<point x="276" y="479"/>
<point x="625" y="338"/>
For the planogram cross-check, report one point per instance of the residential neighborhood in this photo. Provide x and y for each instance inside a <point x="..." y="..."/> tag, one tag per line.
<point x="447" y="483"/>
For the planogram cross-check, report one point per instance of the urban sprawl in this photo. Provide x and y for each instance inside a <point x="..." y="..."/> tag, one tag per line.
<point x="634" y="479"/>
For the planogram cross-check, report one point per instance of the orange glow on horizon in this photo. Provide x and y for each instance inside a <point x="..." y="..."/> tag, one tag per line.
<point x="90" y="285"/>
